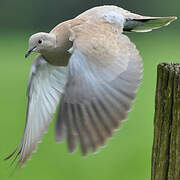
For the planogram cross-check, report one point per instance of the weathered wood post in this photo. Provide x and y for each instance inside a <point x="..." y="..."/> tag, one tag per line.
<point x="166" y="146"/>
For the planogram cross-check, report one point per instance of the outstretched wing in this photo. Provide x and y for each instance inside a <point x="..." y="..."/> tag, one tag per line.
<point x="104" y="72"/>
<point x="46" y="84"/>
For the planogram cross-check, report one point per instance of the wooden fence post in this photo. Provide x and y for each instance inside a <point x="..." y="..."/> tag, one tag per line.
<point x="166" y="145"/>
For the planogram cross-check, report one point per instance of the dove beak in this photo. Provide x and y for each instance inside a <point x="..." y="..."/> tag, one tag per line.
<point x="29" y="52"/>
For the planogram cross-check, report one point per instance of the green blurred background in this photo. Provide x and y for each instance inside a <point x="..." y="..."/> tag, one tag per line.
<point x="128" y="154"/>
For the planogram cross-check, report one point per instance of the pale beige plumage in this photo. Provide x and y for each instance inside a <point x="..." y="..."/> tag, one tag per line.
<point x="93" y="68"/>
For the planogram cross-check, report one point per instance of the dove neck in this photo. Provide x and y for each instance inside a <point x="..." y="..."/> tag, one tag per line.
<point x="57" y="59"/>
<point x="59" y="55"/>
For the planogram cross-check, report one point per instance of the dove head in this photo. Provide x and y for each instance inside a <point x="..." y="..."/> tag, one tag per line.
<point x="41" y="42"/>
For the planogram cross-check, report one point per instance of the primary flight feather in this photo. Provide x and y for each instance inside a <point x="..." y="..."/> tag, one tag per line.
<point x="93" y="70"/>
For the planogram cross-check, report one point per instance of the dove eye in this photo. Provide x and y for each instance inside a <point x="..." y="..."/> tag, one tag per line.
<point x="40" y="41"/>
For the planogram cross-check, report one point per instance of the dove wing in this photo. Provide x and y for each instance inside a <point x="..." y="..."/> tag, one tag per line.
<point x="104" y="72"/>
<point x="46" y="84"/>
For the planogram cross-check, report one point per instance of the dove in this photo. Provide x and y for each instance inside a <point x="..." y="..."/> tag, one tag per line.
<point x="88" y="71"/>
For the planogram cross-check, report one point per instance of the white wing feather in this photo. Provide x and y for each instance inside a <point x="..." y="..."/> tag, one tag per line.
<point x="46" y="84"/>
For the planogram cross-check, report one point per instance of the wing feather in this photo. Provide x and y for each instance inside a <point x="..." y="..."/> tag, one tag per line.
<point x="45" y="87"/>
<point x="100" y="88"/>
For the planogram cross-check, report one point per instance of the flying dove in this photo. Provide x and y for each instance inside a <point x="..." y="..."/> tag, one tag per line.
<point x="92" y="69"/>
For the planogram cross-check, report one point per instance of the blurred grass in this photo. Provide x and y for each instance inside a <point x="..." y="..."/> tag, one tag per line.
<point x="128" y="154"/>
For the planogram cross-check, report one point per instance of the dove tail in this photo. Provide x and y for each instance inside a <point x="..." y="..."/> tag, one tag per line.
<point x="147" y="24"/>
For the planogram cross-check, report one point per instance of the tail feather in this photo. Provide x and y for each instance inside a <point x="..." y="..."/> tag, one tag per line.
<point x="146" y="24"/>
